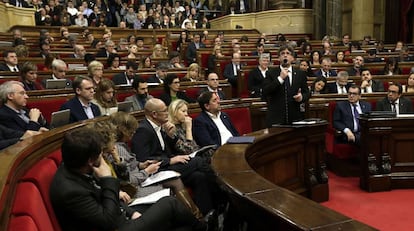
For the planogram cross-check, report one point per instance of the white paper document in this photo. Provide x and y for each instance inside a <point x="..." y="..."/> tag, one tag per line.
<point x="160" y="176"/>
<point x="193" y="154"/>
<point x="151" y="198"/>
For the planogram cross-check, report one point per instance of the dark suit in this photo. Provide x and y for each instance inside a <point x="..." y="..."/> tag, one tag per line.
<point x="102" y="53"/>
<point x="153" y="79"/>
<point x="80" y="205"/>
<point x="195" y="173"/>
<point x="255" y="83"/>
<point x="4" y="67"/>
<point x="343" y="118"/>
<point x="206" y="132"/>
<point x="10" y="119"/>
<point x="229" y="74"/>
<point x="9" y="136"/>
<point x="353" y="72"/>
<point x="331" y="73"/>
<point x="220" y="93"/>
<point x="191" y="54"/>
<point x="120" y="78"/>
<point x="332" y="87"/>
<point x="405" y="105"/>
<point x="77" y="113"/>
<point x="180" y="95"/>
<point x="277" y="100"/>
<point x="376" y="85"/>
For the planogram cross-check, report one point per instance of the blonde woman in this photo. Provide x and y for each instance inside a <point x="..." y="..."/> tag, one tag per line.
<point x="133" y="52"/>
<point x="105" y="97"/>
<point x="158" y="52"/>
<point x="95" y="71"/>
<point x="193" y="73"/>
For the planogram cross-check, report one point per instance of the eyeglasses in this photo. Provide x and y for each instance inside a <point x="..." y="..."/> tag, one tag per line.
<point x="392" y="92"/>
<point x="21" y="92"/>
<point x="353" y="93"/>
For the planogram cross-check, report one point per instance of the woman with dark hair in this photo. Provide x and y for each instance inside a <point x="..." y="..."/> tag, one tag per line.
<point x="146" y="62"/>
<point x="315" y="58"/>
<point x="306" y="49"/>
<point x="105" y="97"/>
<point x="172" y="90"/>
<point x="319" y="86"/>
<point x="113" y="61"/>
<point x="391" y="67"/>
<point x="184" y="38"/>
<point x="28" y="76"/>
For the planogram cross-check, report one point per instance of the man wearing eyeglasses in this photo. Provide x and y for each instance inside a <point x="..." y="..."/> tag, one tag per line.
<point x="394" y="101"/>
<point x="286" y="90"/>
<point x="346" y="116"/>
<point x="213" y="86"/>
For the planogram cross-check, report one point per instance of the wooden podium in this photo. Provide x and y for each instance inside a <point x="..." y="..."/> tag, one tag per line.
<point x="387" y="153"/>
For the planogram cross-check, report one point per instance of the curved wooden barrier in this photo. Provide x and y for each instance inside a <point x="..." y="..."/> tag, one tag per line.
<point x="250" y="174"/>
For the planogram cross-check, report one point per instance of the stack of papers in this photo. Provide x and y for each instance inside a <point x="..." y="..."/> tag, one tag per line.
<point x="160" y="176"/>
<point x="151" y="198"/>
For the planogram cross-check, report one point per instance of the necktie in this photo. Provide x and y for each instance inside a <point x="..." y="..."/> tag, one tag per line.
<point x="356" y="117"/>
<point x="287" y="86"/>
<point x="14" y="69"/>
<point x="343" y="90"/>
<point x="326" y="74"/>
<point x="393" y="107"/>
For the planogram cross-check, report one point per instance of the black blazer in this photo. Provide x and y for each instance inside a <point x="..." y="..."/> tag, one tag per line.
<point x="405" y="105"/>
<point x="343" y="117"/>
<point x="191" y="54"/>
<point x="10" y="119"/>
<point x="4" y="67"/>
<point x="277" y="100"/>
<point x="76" y="110"/>
<point x="146" y="146"/>
<point x="120" y="78"/>
<point x="331" y="87"/>
<point x="255" y="82"/>
<point x="206" y="132"/>
<point x="153" y="79"/>
<point x="180" y="95"/>
<point x="377" y="85"/>
<point x="331" y="73"/>
<point x="229" y="74"/>
<point x="220" y="93"/>
<point x="9" y="136"/>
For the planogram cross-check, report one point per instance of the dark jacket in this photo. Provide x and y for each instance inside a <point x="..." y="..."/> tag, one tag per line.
<point x="405" y="105"/>
<point x="76" y="110"/>
<point x="10" y="119"/>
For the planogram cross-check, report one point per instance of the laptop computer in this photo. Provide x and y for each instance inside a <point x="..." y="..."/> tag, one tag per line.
<point x="124" y="106"/>
<point x="55" y="83"/>
<point x="60" y="118"/>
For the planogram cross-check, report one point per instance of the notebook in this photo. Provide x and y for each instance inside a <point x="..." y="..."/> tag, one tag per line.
<point x="60" y="118"/>
<point x="55" y="83"/>
<point x="125" y="106"/>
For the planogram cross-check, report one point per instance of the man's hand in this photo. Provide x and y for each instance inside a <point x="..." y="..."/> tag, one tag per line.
<point x="284" y="73"/>
<point x="29" y="133"/>
<point x="350" y="136"/>
<point x="34" y="114"/>
<point x="124" y="197"/>
<point x="180" y="159"/>
<point x="298" y="97"/>
<point x="135" y="215"/>
<point x="103" y="169"/>
<point x="365" y="84"/>
<point x="169" y="128"/>
<point x="43" y="129"/>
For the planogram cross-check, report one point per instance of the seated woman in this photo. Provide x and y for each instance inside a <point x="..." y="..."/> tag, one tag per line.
<point x="340" y="58"/>
<point x="28" y="76"/>
<point x="113" y="61"/>
<point x="318" y="86"/>
<point x="391" y="67"/>
<point x="125" y="126"/>
<point x="193" y="73"/>
<point x="95" y="72"/>
<point x="105" y="97"/>
<point x="133" y="52"/>
<point x="410" y="83"/>
<point x="211" y="62"/>
<point x="146" y="62"/>
<point x="315" y="58"/>
<point x="159" y="52"/>
<point x="172" y="90"/>
<point x="184" y="39"/>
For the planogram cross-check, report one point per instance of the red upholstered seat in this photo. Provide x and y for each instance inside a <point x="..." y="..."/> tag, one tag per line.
<point x="241" y="119"/>
<point x="56" y="156"/>
<point x="41" y="175"/>
<point x="29" y="202"/>
<point x="21" y="223"/>
<point x="47" y="106"/>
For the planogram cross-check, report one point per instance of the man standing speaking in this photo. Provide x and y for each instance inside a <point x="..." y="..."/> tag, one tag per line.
<point x="286" y="91"/>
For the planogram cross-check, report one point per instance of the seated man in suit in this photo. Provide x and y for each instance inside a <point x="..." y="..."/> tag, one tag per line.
<point x="109" y="48"/>
<point x="213" y="86"/>
<point x="141" y="96"/>
<point x="10" y="61"/>
<point x="369" y="85"/>
<point x="212" y="126"/>
<point x="10" y="136"/>
<point x="59" y="69"/>
<point x="394" y="101"/>
<point x="160" y="73"/>
<point x="358" y="64"/>
<point x="126" y="77"/>
<point x="80" y="106"/>
<point x="191" y="53"/>
<point x="326" y="70"/>
<point x="84" y="190"/>
<point x="231" y="70"/>
<point x="346" y="116"/>
<point x="79" y="52"/>
<point x="13" y="112"/>
<point x="341" y="84"/>
<point x="155" y="139"/>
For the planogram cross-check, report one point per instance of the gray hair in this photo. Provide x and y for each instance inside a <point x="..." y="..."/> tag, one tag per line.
<point x="7" y="88"/>
<point x="58" y="63"/>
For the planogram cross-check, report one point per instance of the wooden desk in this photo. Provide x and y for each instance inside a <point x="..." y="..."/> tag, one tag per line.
<point x="265" y="180"/>
<point x="392" y="136"/>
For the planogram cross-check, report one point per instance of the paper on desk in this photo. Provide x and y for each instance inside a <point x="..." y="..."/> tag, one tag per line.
<point x="193" y="154"/>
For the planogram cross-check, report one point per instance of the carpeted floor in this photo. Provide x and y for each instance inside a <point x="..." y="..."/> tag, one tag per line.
<point x="392" y="210"/>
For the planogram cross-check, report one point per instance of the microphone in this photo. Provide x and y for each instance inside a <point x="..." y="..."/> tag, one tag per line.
<point x="285" y="63"/>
